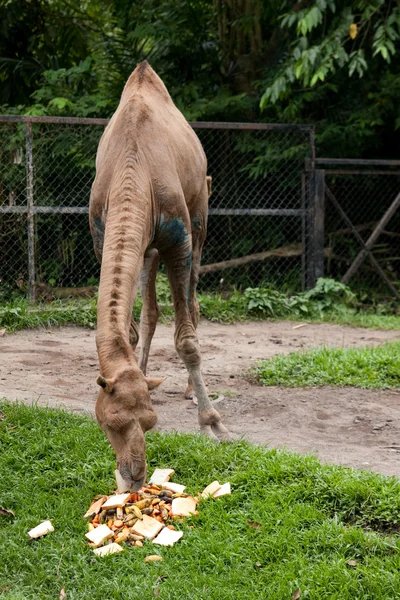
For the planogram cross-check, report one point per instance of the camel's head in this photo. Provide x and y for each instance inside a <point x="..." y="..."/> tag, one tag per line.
<point x="124" y="412"/>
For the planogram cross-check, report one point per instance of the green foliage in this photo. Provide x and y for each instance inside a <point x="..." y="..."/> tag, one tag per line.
<point x="224" y="310"/>
<point x="327" y="295"/>
<point x="330" y="62"/>
<point x="68" y="92"/>
<point x="267" y="301"/>
<point x="335" y="59"/>
<point x="362" y="367"/>
<point x="40" y="36"/>
<point x="312" y="519"/>
<point x="331" y="35"/>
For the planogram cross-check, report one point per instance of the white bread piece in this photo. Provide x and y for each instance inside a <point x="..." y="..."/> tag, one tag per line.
<point x="42" y="529"/>
<point x="147" y="527"/>
<point x="98" y="535"/>
<point x="122" y="484"/>
<point x="177" y="488"/>
<point x="116" y="501"/>
<point x="183" y="507"/>
<point x="161" y="476"/>
<point x="168" y="537"/>
<point x="224" y="490"/>
<point x="109" y="549"/>
<point x="211" y="489"/>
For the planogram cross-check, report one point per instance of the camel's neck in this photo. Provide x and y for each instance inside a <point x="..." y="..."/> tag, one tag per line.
<point x="126" y="238"/>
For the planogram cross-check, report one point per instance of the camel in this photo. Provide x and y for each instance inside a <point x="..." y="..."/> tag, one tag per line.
<point x="149" y="202"/>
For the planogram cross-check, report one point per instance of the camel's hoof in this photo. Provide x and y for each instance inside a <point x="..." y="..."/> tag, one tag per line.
<point x="206" y="430"/>
<point x="211" y="419"/>
<point x="189" y="393"/>
<point x="218" y="433"/>
<point x="221" y="432"/>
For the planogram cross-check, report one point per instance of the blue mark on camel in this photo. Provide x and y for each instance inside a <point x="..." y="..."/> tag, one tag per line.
<point x="173" y="232"/>
<point x="196" y="224"/>
<point x="188" y="266"/>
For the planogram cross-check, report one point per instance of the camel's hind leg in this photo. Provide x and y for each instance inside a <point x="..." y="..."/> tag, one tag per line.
<point x="198" y="237"/>
<point x="150" y="312"/>
<point x="177" y="261"/>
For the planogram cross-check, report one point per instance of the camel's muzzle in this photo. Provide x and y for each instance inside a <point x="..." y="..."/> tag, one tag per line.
<point x="135" y="474"/>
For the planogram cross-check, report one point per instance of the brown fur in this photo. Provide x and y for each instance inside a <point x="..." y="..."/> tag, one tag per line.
<point x="149" y="200"/>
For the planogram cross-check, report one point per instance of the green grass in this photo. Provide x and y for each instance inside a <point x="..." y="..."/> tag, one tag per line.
<point x="356" y="318"/>
<point x="312" y="520"/>
<point x="19" y="314"/>
<point x="362" y="367"/>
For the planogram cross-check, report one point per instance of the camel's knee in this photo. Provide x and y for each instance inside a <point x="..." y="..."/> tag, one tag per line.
<point x="189" y="350"/>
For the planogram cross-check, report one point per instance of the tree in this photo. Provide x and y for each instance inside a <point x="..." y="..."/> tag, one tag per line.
<point x="331" y="62"/>
<point x="339" y="68"/>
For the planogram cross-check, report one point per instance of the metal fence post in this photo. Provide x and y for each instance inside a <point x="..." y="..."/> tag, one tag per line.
<point x="303" y="230"/>
<point x="319" y="222"/>
<point x="313" y="185"/>
<point x="30" y="214"/>
<point x="308" y="258"/>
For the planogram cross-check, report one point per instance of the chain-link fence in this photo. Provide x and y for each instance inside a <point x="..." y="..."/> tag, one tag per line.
<point x="257" y="208"/>
<point x="260" y="208"/>
<point x="46" y="171"/>
<point x="362" y="225"/>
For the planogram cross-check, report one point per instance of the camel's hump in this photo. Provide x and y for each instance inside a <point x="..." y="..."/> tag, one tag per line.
<point x="143" y="77"/>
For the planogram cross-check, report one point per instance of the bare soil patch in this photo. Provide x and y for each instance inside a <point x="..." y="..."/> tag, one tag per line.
<point x="348" y="426"/>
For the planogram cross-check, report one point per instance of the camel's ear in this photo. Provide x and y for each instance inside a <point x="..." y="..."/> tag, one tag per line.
<point x="153" y="383"/>
<point x="209" y="180"/>
<point x="106" y="384"/>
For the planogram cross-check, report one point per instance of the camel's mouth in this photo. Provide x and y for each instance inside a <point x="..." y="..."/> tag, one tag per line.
<point x="137" y="485"/>
<point x="134" y="475"/>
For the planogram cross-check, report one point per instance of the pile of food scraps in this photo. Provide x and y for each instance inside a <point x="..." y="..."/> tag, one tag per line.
<point x="149" y="514"/>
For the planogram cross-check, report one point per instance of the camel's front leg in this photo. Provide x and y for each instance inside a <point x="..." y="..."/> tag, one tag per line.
<point x="177" y="261"/>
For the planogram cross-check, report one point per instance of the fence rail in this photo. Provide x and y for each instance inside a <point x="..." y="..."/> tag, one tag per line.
<point x="193" y="124"/>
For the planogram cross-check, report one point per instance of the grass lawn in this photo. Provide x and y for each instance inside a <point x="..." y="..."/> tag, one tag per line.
<point x="363" y="367"/>
<point x="308" y="520"/>
<point x="19" y="314"/>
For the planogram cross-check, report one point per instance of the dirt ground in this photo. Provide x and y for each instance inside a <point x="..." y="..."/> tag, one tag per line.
<point x="347" y="426"/>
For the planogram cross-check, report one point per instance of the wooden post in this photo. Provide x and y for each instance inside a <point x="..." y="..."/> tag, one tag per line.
<point x="372" y="239"/>
<point x="30" y="214"/>
<point x="361" y="241"/>
<point x="319" y="222"/>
